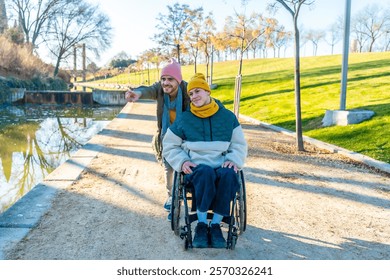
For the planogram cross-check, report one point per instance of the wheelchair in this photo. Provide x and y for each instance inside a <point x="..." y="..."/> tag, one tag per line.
<point x="183" y="202"/>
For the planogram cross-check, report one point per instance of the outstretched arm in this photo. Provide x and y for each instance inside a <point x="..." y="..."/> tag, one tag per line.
<point x="132" y="96"/>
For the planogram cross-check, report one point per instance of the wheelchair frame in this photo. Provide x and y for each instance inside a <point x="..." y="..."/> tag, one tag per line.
<point x="182" y="194"/>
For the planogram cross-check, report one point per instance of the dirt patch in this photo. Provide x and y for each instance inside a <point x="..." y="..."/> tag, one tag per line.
<point x="301" y="205"/>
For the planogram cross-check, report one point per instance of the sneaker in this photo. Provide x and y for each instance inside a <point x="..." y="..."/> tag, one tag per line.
<point x="201" y="239"/>
<point x="168" y="203"/>
<point x="169" y="218"/>
<point x="216" y="238"/>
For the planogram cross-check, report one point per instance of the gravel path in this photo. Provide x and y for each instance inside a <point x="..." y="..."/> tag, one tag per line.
<point x="311" y="205"/>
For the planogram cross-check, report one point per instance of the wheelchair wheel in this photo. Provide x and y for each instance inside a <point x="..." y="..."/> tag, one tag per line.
<point x="176" y="204"/>
<point x="232" y="239"/>
<point x="237" y="221"/>
<point x="240" y="207"/>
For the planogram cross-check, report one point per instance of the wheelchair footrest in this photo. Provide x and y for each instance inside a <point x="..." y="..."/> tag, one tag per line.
<point x="184" y="232"/>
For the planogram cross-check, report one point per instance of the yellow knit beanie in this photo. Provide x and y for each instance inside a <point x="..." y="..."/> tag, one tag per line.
<point x="198" y="81"/>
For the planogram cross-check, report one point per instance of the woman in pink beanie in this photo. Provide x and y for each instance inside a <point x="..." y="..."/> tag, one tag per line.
<point x="172" y="99"/>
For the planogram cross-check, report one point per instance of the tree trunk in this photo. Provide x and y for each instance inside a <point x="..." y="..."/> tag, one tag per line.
<point x="56" y="68"/>
<point x="178" y="53"/>
<point x="298" y="118"/>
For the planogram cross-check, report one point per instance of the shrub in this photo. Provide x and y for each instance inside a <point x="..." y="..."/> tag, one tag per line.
<point x="4" y="88"/>
<point x="38" y="83"/>
<point x="25" y="70"/>
<point x="56" y="84"/>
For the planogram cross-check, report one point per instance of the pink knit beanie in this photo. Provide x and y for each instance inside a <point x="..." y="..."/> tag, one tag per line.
<point x="173" y="69"/>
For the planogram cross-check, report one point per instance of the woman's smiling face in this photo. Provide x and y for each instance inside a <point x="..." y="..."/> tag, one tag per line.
<point x="199" y="97"/>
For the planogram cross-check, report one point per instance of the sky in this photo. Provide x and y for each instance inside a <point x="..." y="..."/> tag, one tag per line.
<point x="134" y="21"/>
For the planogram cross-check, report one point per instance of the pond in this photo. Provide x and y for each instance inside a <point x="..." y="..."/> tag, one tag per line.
<point x="36" y="139"/>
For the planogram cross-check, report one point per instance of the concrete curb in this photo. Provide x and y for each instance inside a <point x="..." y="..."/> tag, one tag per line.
<point x="380" y="165"/>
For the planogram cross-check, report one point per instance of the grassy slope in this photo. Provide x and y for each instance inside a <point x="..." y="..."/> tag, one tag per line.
<point x="268" y="95"/>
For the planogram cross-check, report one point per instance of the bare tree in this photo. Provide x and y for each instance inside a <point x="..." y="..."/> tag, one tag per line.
<point x="93" y="69"/>
<point x="261" y="42"/>
<point x="174" y="25"/>
<point x="359" y="38"/>
<point x="294" y="7"/>
<point x="33" y="15"/>
<point x="243" y="32"/>
<point x="315" y="36"/>
<point x="78" y="23"/>
<point x="386" y="41"/>
<point x="3" y="17"/>
<point x="278" y="38"/>
<point x="157" y="58"/>
<point x="194" y="34"/>
<point x="219" y="43"/>
<point x="206" y="41"/>
<point x="253" y="48"/>
<point x="154" y="57"/>
<point x="369" y="25"/>
<point x="334" y="34"/>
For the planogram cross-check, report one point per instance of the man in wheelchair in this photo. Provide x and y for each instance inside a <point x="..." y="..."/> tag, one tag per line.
<point x="208" y="145"/>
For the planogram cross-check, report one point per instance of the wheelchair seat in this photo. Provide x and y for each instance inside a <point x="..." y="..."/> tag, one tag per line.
<point x="183" y="201"/>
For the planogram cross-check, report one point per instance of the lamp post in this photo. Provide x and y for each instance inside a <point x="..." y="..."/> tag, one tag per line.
<point x="344" y="69"/>
<point x="342" y="116"/>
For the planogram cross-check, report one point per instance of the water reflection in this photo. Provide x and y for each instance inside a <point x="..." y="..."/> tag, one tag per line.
<point x="34" y="140"/>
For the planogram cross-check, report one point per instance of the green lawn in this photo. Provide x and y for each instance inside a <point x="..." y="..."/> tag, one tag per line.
<point x="268" y="95"/>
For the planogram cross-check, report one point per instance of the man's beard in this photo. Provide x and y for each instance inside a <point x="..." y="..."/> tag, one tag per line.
<point x="168" y="89"/>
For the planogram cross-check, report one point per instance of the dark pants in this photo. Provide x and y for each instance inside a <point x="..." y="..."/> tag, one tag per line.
<point x="214" y="188"/>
